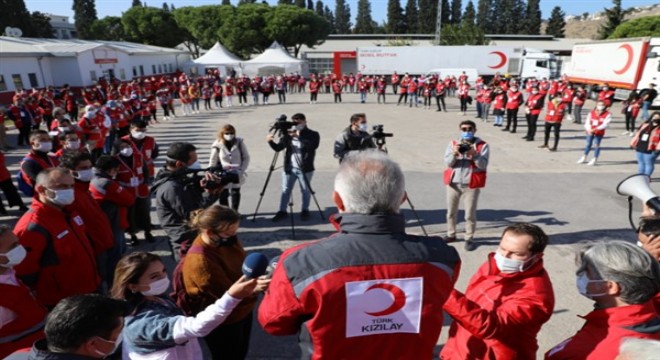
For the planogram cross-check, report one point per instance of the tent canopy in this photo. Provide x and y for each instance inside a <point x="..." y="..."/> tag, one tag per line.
<point x="275" y="54"/>
<point x="217" y="55"/>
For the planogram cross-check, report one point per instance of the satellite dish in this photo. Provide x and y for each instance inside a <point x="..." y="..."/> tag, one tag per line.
<point x="13" y="32"/>
<point x="8" y="31"/>
<point x="18" y="32"/>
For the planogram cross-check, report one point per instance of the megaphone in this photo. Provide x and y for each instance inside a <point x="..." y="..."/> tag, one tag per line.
<point x="639" y="186"/>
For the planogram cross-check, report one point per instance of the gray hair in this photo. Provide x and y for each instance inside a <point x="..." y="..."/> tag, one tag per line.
<point x="44" y="176"/>
<point x="369" y="182"/>
<point x="58" y="110"/>
<point x="639" y="349"/>
<point x="628" y="265"/>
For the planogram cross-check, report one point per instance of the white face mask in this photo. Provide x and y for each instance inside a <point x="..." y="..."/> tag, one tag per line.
<point x="44" y="146"/>
<point x="126" y="152"/>
<point x="195" y="166"/>
<point x="73" y="145"/>
<point x="363" y="127"/>
<point x="157" y="287"/>
<point x="229" y="137"/>
<point x="62" y="197"/>
<point x="300" y="127"/>
<point x="535" y="92"/>
<point x="507" y="265"/>
<point x="582" y="281"/>
<point x="138" y="135"/>
<point x="84" y="175"/>
<point x="600" y="107"/>
<point x="63" y="129"/>
<point x="14" y="256"/>
<point x="115" y="346"/>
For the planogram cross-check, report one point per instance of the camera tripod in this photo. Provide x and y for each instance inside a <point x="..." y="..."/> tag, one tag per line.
<point x="273" y="166"/>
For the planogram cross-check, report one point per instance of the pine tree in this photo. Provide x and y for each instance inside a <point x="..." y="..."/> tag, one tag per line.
<point x="614" y="17"/>
<point x="328" y="15"/>
<point x="519" y="12"/>
<point x="510" y="22"/>
<point x="427" y="17"/>
<point x="470" y="15"/>
<point x="446" y="12"/>
<point x="533" y="17"/>
<point x="300" y="3"/>
<point x="15" y="14"/>
<point x="342" y="17"/>
<point x="456" y="10"/>
<point x="364" y="24"/>
<point x="166" y="7"/>
<point x="280" y="2"/>
<point x="84" y="16"/>
<point x="484" y="18"/>
<point x="172" y="8"/>
<point x="310" y="4"/>
<point x="319" y="8"/>
<point x="556" y="23"/>
<point x="395" y="23"/>
<point x="136" y="3"/>
<point x="411" y="18"/>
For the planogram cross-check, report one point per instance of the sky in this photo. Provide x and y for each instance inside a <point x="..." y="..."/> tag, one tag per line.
<point x="378" y="7"/>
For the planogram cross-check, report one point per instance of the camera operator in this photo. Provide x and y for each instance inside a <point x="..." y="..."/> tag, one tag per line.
<point x="300" y="144"/>
<point x="465" y="175"/>
<point x="354" y="137"/>
<point x="179" y="191"/>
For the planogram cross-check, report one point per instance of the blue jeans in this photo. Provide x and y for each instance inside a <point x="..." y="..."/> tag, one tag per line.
<point x="645" y="163"/>
<point x="595" y="141"/>
<point x="645" y="110"/>
<point x="498" y="119"/>
<point x="363" y="96"/>
<point x="288" y="180"/>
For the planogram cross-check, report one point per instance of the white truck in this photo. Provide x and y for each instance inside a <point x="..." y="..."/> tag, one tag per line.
<point x="624" y="64"/>
<point x="487" y="60"/>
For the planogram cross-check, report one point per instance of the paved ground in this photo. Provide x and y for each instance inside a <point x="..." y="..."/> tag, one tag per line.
<point x="572" y="202"/>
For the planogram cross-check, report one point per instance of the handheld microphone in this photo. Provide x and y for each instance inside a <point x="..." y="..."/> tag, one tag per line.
<point x="255" y="265"/>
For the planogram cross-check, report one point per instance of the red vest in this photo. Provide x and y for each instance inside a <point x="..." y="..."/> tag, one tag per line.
<point x="534" y="103"/>
<point x="53" y="162"/>
<point x="477" y="176"/>
<point x="567" y="96"/>
<point x="146" y="147"/>
<point x="555" y="114"/>
<point x="126" y="173"/>
<point x="598" y="120"/>
<point x="30" y="319"/>
<point x="513" y="100"/>
<point x="499" y="101"/>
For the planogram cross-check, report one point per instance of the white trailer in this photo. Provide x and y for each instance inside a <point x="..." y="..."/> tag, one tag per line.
<point x="487" y="60"/>
<point x="623" y="64"/>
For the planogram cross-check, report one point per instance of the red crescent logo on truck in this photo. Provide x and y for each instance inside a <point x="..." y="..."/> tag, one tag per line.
<point x="629" y="50"/>
<point x="399" y="299"/>
<point x="502" y="57"/>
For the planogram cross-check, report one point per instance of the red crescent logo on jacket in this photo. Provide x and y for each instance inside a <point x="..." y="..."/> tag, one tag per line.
<point x="398" y="296"/>
<point x="629" y="54"/>
<point x="503" y="59"/>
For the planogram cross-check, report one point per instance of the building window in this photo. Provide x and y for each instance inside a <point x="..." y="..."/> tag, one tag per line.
<point x="171" y="68"/>
<point x="122" y="74"/>
<point x="160" y="69"/>
<point x="164" y="68"/>
<point x="134" y="71"/>
<point x="321" y="65"/>
<point x="3" y="84"/>
<point x="141" y="70"/>
<point x="32" y="77"/>
<point x="153" y="69"/>
<point x="18" y="82"/>
<point x="92" y="75"/>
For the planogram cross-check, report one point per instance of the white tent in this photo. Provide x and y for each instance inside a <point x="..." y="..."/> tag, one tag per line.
<point x="217" y="56"/>
<point x="275" y="60"/>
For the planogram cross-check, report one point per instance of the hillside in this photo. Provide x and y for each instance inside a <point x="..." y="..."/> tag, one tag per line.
<point x="577" y="26"/>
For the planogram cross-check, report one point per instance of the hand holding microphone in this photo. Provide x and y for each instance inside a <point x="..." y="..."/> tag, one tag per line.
<point x="254" y="267"/>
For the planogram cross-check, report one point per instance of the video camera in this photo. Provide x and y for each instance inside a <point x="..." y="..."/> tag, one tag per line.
<point x="380" y="135"/>
<point x="281" y="125"/>
<point x="464" y="147"/>
<point x="226" y="177"/>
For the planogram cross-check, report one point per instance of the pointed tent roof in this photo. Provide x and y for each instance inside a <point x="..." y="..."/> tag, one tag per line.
<point x="217" y="55"/>
<point x="275" y="54"/>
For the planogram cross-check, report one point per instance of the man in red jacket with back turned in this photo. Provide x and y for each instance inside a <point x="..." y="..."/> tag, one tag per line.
<point x="371" y="291"/>
<point x="506" y="302"/>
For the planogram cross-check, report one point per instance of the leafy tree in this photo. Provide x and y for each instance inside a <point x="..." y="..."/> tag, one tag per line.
<point x="614" y="17"/>
<point x="412" y="17"/>
<point x="108" y="28"/>
<point x="519" y="12"/>
<point x="556" y="23"/>
<point x="585" y="16"/>
<point x="84" y="16"/>
<point x="342" y="17"/>
<point x="166" y="7"/>
<point x="395" y="23"/>
<point x="40" y="26"/>
<point x="319" y="7"/>
<point x="645" y="26"/>
<point x="462" y="34"/>
<point x="225" y="2"/>
<point x="446" y="12"/>
<point x="151" y="26"/>
<point x="15" y="14"/>
<point x="484" y="15"/>
<point x="172" y="8"/>
<point x="364" y="24"/>
<point x="470" y="15"/>
<point x="533" y="17"/>
<point x="456" y="10"/>
<point x="137" y="3"/>
<point x="201" y="24"/>
<point x="294" y="27"/>
<point x="300" y="3"/>
<point x="330" y="17"/>
<point x="243" y="32"/>
<point x="284" y="2"/>
<point x="427" y="16"/>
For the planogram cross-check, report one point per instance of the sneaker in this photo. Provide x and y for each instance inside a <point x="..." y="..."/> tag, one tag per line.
<point x="304" y="215"/>
<point x="582" y="160"/>
<point x="553" y="149"/>
<point x="132" y="241"/>
<point x="469" y="245"/>
<point x="592" y="162"/>
<point x="631" y="134"/>
<point x="544" y="146"/>
<point x="280" y="215"/>
<point x="625" y="133"/>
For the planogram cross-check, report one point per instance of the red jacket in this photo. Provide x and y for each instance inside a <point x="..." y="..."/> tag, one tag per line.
<point x="535" y="103"/>
<point x="500" y="314"/>
<point x="149" y="150"/>
<point x="108" y="193"/>
<point x="607" y="97"/>
<point x="604" y="329"/>
<point x="597" y="122"/>
<point x="98" y="227"/>
<point x="555" y="114"/>
<point x="368" y="292"/>
<point x="514" y="100"/>
<point x="60" y="261"/>
<point x="499" y="101"/>
<point x="132" y="175"/>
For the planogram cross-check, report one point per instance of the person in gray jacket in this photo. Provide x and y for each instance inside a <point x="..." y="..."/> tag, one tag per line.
<point x="179" y="190"/>
<point x="230" y="152"/>
<point x="466" y="160"/>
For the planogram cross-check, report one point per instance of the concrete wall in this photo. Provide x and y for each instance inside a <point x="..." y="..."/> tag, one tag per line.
<point x="23" y="66"/>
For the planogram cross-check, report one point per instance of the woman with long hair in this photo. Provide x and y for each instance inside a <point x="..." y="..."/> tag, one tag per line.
<point x="231" y="153"/>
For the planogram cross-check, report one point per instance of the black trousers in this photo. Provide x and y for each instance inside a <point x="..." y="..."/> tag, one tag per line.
<point x="24" y="135"/>
<point x="441" y="100"/>
<point x="11" y="193"/>
<point x="139" y="216"/>
<point x="511" y="118"/>
<point x="548" y="128"/>
<point x="230" y="341"/>
<point x="463" y="103"/>
<point x="235" y="195"/>
<point x="313" y="96"/>
<point x="531" y="125"/>
<point x="630" y="121"/>
<point x="403" y="97"/>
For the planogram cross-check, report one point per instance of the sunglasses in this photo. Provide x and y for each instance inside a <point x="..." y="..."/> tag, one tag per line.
<point x="467" y="129"/>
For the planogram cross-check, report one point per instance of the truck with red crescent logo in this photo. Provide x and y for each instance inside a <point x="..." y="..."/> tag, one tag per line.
<point x="486" y="60"/>
<point x="623" y="64"/>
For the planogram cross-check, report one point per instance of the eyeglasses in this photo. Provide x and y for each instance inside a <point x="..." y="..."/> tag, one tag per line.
<point x="467" y="129"/>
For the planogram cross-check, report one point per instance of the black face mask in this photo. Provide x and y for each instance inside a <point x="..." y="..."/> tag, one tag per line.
<point x="230" y="241"/>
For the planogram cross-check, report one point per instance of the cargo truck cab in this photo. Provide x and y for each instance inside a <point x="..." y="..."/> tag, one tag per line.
<point x="539" y="64"/>
<point x="651" y="69"/>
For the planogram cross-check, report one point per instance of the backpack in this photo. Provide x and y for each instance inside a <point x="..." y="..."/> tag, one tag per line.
<point x="24" y="185"/>
<point x="178" y="294"/>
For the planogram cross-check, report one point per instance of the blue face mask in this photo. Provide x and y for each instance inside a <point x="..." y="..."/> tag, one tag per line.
<point x="467" y="135"/>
